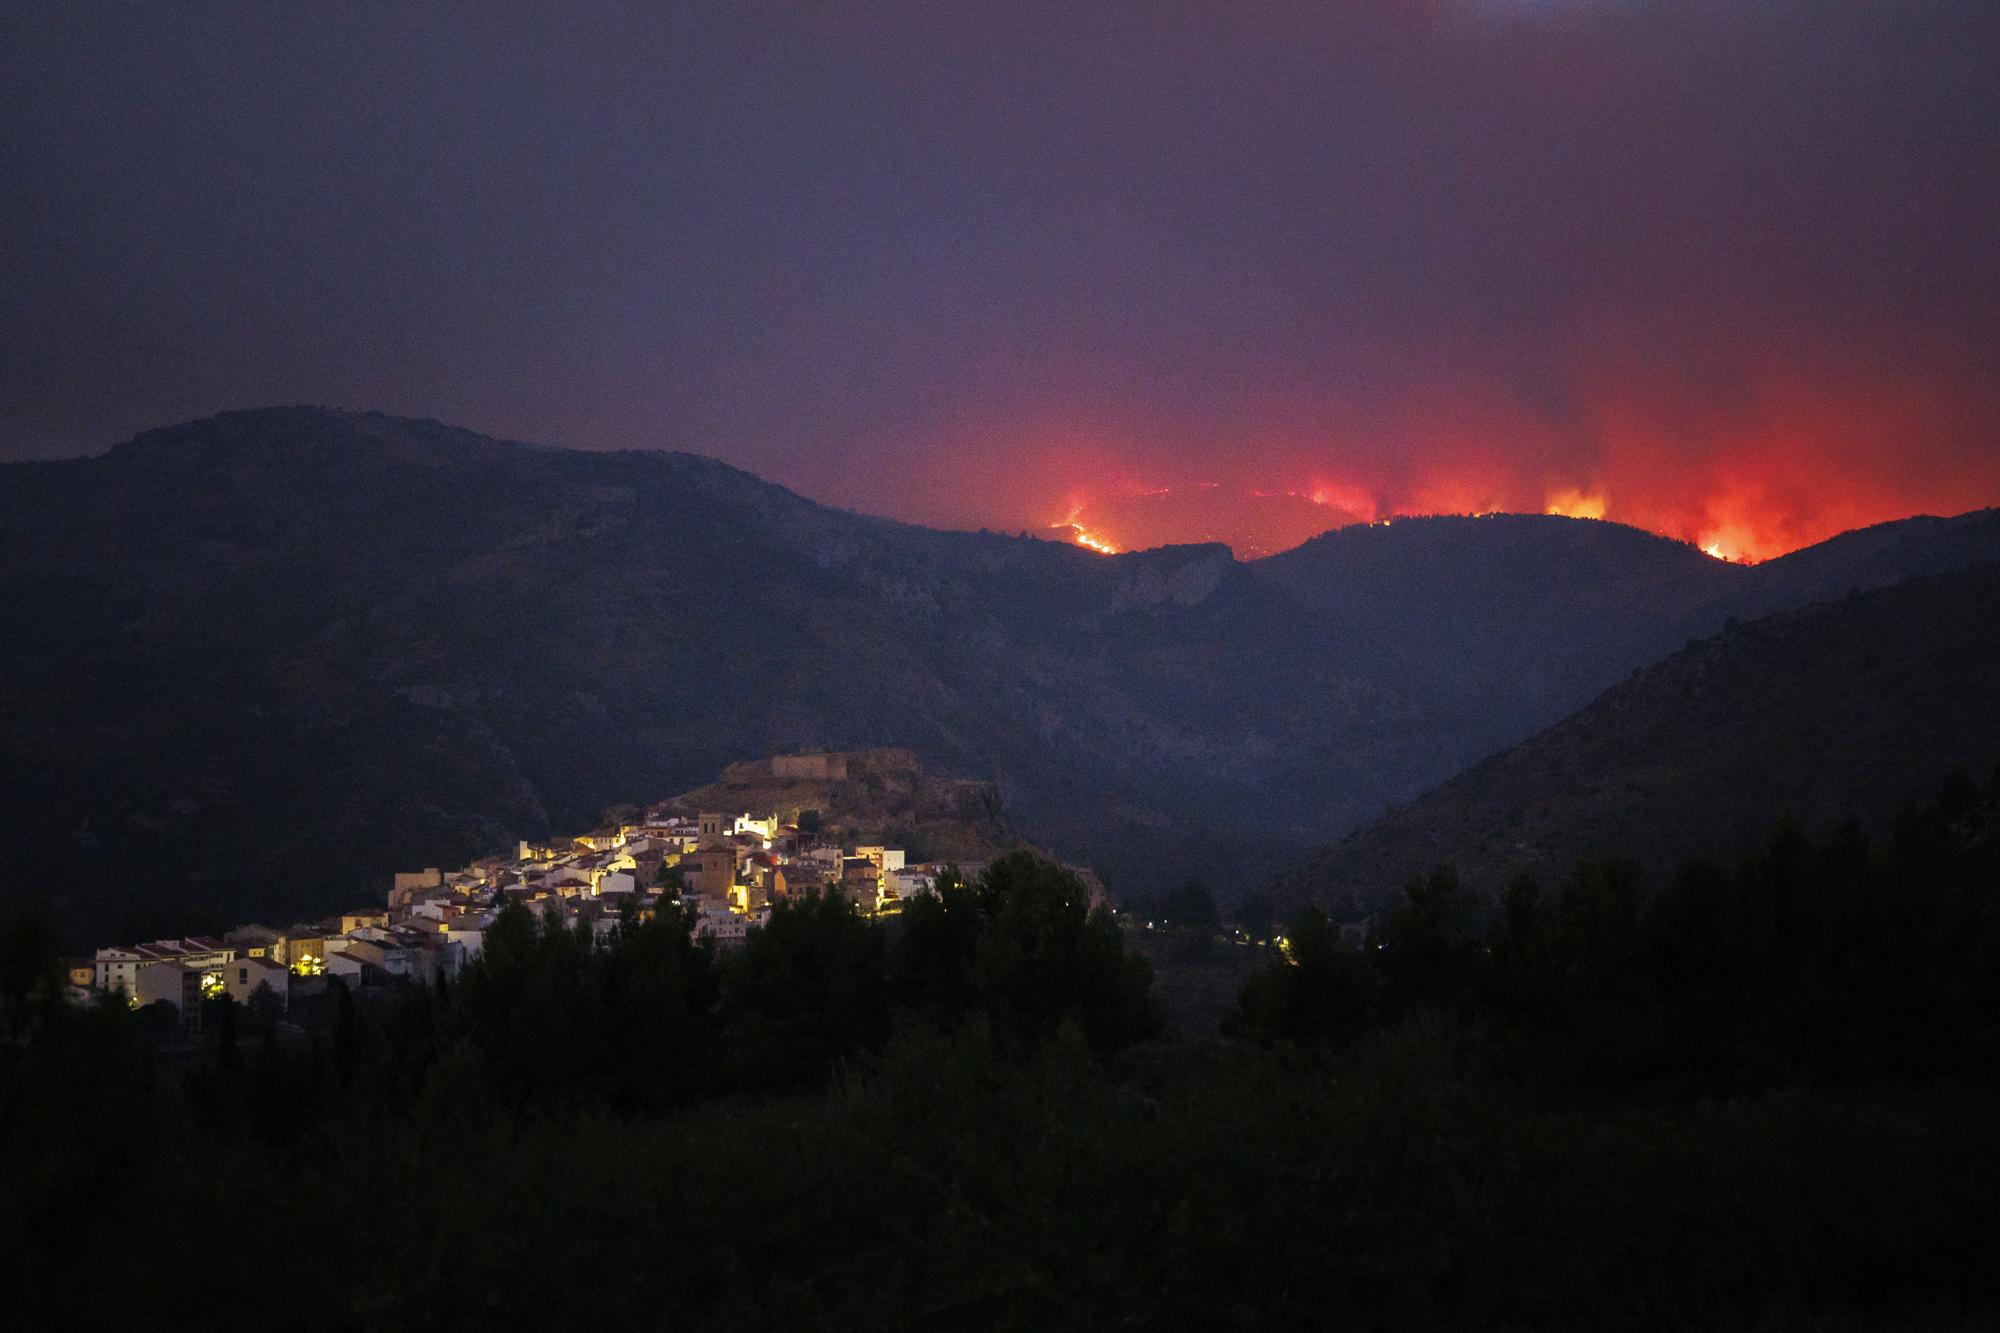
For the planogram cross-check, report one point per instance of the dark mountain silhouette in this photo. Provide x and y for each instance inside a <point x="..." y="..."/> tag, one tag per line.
<point x="253" y="663"/>
<point x="1842" y="709"/>
<point x="1496" y="619"/>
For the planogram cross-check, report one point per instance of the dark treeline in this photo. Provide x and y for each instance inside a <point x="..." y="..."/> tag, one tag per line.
<point x="1828" y="961"/>
<point x="549" y="1018"/>
<point x="1754" y="1099"/>
<point x="651" y="1018"/>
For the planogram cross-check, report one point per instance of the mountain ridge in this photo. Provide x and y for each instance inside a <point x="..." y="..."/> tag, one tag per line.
<point x="352" y="643"/>
<point x="1832" y="711"/>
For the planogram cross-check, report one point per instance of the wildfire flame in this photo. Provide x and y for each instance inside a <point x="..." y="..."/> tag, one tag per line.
<point x="1574" y="502"/>
<point x="1257" y="521"/>
<point x="1084" y="537"/>
<point x="1731" y="539"/>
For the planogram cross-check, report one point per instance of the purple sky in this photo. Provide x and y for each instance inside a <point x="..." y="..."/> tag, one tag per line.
<point x="1727" y="269"/>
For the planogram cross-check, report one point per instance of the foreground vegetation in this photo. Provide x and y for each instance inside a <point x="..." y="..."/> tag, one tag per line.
<point x="1834" y="961"/>
<point x="1726" y="1105"/>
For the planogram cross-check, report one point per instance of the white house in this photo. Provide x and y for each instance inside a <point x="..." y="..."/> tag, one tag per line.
<point x="242" y="976"/>
<point x="468" y="933"/>
<point x="178" y="983"/>
<point x="763" y="829"/>
<point x="117" y="969"/>
<point x="728" y="929"/>
<point x="889" y="858"/>
<point x="347" y="961"/>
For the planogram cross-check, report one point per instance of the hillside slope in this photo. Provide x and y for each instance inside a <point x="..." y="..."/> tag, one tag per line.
<point x="872" y="796"/>
<point x="253" y="663"/>
<point x="1844" y="708"/>
<point x="1497" y="619"/>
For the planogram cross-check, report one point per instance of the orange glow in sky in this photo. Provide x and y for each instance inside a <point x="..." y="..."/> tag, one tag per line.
<point x="1799" y="455"/>
<point x="1572" y="502"/>
<point x="1751" y="522"/>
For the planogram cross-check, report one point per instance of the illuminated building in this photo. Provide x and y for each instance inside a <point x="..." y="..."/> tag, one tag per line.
<point x="242" y="976"/>
<point x="177" y="983"/>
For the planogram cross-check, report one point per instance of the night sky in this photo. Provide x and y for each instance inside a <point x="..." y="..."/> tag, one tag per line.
<point x="1728" y="270"/>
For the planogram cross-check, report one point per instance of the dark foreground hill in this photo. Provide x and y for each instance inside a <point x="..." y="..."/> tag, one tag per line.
<point x="1841" y="709"/>
<point x="251" y="664"/>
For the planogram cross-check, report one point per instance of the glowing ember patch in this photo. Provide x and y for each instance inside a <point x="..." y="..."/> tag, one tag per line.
<point x="1732" y="540"/>
<point x="1574" y="503"/>
<point x="1084" y="537"/>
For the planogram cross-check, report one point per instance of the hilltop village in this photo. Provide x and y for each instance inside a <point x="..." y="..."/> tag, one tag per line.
<point x="725" y="868"/>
